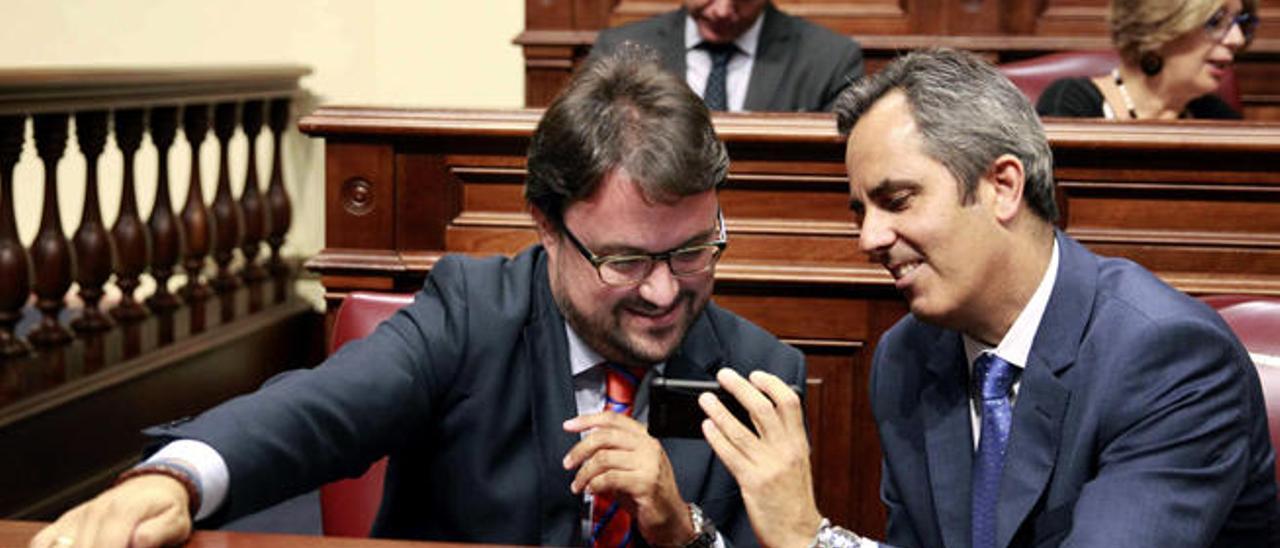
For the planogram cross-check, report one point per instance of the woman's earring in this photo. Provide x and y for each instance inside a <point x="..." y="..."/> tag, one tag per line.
<point x="1151" y="63"/>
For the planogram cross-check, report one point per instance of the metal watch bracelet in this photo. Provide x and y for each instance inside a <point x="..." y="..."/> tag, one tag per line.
<point x="703" y="527"/>
<point x="830" y="536"/>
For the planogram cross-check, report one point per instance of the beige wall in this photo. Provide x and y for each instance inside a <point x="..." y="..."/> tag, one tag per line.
<point x="442" y="53"/>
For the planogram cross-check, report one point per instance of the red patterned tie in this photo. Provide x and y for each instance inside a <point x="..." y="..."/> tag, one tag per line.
<point x="610" y="524"/>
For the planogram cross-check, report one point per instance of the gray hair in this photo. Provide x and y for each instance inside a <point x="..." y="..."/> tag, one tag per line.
<point x="623" y="111"/>
<point x="968" y="114"/>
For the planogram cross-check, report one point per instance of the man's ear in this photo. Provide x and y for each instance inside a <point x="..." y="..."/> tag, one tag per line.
<point x="1008" y="180"/>
<point x="547" y="233"/>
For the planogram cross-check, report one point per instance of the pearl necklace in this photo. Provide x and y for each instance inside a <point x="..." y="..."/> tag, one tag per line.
<point x="1124" y="94"/>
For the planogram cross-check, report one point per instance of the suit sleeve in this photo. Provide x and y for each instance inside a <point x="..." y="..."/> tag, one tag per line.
<point x="307" y="427"/>
<point x="1173" y="446"/>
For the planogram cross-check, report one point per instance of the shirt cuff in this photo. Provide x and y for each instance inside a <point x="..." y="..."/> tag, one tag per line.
<point x="209" y="467"/>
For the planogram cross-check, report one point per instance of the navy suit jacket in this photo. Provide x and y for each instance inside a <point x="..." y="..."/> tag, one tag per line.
<point x="1139" y="421"/>
<point x="799" y="66"/>
<point x="466" y="389"/>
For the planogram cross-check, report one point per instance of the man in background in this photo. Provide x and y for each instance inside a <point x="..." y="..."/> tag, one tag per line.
<point x="481" y="390"/>
<point x="1037" y="395"/>
<point x="746" y="55"/>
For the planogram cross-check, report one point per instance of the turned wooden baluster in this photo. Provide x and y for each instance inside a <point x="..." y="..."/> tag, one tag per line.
<point x="195" y="218"/>
<point x="50" y="252"/>
<point x="132" y="241"/>
<point x="92" y="242"/>
<point x="166" y="232"/>
<point x="15" y="268"/>
<point x="278" y="198"/>
<point x="251" y="205"/>
<point x="226" y="213"/>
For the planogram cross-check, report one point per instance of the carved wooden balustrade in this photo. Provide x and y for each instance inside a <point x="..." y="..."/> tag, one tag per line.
<point x="78" y="343"/>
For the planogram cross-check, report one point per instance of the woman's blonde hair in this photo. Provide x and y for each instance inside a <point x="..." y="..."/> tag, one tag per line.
<point x="1141" y="26"/>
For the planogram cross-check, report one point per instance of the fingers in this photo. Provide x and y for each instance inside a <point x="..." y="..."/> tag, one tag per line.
<point x="786" y="402"/>
<point x="608" y="430"/>
<point x="730" y="454"/>
<point x="600" y="473"/>
<point x="761" y="409"/>
<point x="114" y="518"/>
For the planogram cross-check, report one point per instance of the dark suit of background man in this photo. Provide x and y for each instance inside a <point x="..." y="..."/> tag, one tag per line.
<point x="471" y="388"/>
<point x="781" y="63"/>
<point x="1134" y="418"/>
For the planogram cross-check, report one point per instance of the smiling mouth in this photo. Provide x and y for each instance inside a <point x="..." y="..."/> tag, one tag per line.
<point x="900" y="270"/>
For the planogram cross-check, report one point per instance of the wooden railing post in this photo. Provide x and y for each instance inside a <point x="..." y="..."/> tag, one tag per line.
<point x="15" y="268"/>
<point x="166" y="231"/>
<point x="278" y="198"/>
<point x="226" y="213"/>
<point x="91" y="241"/>
<point x="50" y="252"/>
<point x="253" y="208"/>
<point x="133" y="244"/>
<point x="195" y="218"/>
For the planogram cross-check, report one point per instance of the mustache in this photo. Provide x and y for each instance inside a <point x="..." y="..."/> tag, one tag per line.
<point x="639" y="304"/>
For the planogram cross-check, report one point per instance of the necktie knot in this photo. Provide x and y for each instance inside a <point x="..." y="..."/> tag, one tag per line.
<point x="720" y="53"/>
<point x="993" y="377"/>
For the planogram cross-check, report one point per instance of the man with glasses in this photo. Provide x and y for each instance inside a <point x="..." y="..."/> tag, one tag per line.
<point x="487" y="391"/>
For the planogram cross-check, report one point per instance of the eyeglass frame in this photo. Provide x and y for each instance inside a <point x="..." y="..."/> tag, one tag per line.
<point x="720" y="243"/>
<point x="1248" y="22"/>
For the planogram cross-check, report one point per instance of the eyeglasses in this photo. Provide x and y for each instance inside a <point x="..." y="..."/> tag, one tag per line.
<point x="1220" y="23"/>
<point x="631" y="269"/>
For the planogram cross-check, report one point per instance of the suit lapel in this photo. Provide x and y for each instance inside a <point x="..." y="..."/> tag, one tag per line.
<point x="1033" y="446"/>
<point x="949" y="439"/>
<point x="773" y="54"/>
<point x="697" y="359"/>
<point x="670" y="42"/>
<point x="1043" y="398"/>
<point x="545" y="359"/>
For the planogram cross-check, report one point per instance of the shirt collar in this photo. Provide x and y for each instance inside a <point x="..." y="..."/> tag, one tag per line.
<point x="747" y="43"/>
<point x="1015" y="347"/>
<point x="583" y="358"/>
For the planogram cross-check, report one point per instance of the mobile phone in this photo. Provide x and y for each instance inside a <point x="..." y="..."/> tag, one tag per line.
<point x="674" y="411"/>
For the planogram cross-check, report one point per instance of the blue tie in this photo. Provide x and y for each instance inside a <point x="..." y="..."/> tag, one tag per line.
<point x="992" y="378"/>
<point x="716" y="93"/>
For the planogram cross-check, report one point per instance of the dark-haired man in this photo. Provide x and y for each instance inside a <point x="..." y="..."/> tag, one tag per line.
<point x="1038" y="394"/>
<point x="746" y="55"/>
<point x="484" y="389"/>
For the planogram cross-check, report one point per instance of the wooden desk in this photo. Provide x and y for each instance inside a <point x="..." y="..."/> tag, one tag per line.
<point x="1198" y="203"/>
<point x="19" y="533"/>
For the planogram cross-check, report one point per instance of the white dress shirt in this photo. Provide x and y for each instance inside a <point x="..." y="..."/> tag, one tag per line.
<point x="697" y="62"/>
<point x="1015" y="347"/>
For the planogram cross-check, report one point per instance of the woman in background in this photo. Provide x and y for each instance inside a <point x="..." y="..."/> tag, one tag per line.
<point x="1173" y="55"/>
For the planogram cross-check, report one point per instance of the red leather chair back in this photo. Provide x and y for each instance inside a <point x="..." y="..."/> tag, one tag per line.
<point x="348" y="507"/>
<point x="1033" y="75"/>
<point x="1256" y="321"/>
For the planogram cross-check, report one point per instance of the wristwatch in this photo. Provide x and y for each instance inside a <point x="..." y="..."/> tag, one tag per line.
<point x="703" y="528"/>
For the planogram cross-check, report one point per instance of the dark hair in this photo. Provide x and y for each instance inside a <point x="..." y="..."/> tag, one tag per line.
<point x="968" y="114"/>
<point x="623" y="111"/>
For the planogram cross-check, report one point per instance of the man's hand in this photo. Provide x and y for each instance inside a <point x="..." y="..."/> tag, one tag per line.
<point x="772" y="469"/>
<point x="146" y="511"/>
<point x="619" y="458"/>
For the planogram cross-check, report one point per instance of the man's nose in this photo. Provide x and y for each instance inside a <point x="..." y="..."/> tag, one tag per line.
<point x="718" y="9"/>
<point x="660" y="287"/>
<point x="875" y="233"/>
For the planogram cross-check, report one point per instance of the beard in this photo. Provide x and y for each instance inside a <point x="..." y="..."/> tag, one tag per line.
<point x="605" y="333"/>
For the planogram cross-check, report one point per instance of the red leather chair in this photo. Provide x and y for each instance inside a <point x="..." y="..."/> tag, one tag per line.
<point x="1256" y="321"/>
<point x="348" y="507"/>
<point x="1033" y="75"/>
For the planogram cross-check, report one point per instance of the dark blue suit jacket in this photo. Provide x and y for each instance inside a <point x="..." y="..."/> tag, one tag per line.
<point x="1139" y="421"/>
<point x="466" y="389"/>
<point x="799" y="66"/>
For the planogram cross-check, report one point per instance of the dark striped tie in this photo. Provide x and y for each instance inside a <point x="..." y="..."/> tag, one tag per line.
<point x="716" y="93"/>
<point x="992" y="379"/>
<point x="610" y="524"/>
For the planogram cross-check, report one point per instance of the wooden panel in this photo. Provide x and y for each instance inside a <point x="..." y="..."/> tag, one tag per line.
<point x="359" y="195"/>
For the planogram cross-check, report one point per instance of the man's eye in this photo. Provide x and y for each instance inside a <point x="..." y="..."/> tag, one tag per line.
<point x="628" y="265"/>
<point x="898" y="202"/>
